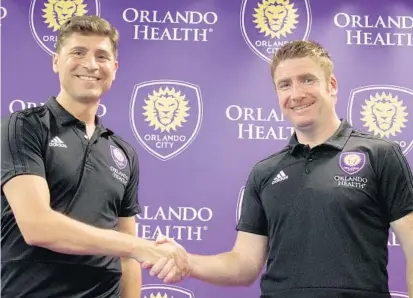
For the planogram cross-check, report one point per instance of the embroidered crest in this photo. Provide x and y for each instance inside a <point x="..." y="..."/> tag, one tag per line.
<point x="352" y="162"/>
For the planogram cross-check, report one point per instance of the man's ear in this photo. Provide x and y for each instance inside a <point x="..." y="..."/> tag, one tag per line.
<point x="333" y="86"/>
<point x="116" y="69"/>
<point x="55" y="63"/>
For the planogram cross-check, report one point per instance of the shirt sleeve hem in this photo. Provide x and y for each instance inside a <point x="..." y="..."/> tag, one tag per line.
<point x="401" y="214"/>
<point x="131" y="212"/>
<point x="250" y="229"/>
<point x="11" y="175"/>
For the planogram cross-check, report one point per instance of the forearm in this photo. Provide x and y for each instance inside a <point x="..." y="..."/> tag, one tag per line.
<point x="131" y="278"/>
<point x="226" y="269"/>
<point x="62" y="234"/>
<point x="409" y="277"/>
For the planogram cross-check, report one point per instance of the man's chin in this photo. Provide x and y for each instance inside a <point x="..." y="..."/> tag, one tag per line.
<point x="304" y="124"/>
<point x="88" y="97"/>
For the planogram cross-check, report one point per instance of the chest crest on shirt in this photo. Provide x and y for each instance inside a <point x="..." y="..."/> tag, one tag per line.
<point x="352" y="163"/>
<point x="121" y="162"/>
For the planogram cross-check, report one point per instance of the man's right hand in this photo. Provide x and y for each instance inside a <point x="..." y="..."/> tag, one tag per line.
<point x="173" y="266"/>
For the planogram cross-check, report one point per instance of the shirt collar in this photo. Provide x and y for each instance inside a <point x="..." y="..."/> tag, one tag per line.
<point x="63" y="116"/>
<point x="338" y="140"/>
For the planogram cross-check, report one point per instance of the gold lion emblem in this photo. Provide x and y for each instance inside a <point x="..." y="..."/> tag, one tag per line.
<point x="384" y="114"/>
<point x="157" y="296"/>
<point x="57" y="12"/>
<point x="166" y="109"/>
<point x="352" y="160"/>
<point x="276" y="18"/>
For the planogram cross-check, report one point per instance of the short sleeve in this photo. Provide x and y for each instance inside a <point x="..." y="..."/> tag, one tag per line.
<point x="396" y="184"/>
<point x="21" y="147"/>
<point x="252" y="218"/>
<point x="130" y="203"/>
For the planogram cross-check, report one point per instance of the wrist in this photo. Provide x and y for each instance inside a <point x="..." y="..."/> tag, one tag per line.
<point x="192" y="265"/>
<point x="143" y="250"/>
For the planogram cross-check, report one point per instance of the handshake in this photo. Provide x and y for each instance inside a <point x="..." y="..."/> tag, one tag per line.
<point x="169" y="261"/>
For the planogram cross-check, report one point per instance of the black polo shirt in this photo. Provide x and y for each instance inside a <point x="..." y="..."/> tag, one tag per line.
<point x="326" y="213"/>
<point x="90" y="180"/>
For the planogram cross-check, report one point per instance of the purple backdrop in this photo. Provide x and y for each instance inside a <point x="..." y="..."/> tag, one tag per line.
<point x="194" y="96"/>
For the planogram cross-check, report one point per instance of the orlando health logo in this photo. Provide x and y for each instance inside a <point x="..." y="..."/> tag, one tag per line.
<point x="121" y="162"/>
<point x="163" y="291"/>
<point x="166" y="116"/>
<point x="383" y="111"/>
<point x="267" y="25"/>
<point x="47" y="16"/>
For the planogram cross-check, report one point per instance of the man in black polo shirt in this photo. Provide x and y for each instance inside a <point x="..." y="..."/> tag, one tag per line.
<point x="318" y="212"/>
<point x="69" y="185"/>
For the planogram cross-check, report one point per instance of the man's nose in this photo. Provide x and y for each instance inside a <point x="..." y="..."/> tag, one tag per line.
<point x="90" y="63"/>
<point x="297" y="93"/>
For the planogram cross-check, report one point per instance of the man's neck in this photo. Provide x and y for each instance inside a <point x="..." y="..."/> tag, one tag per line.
<point x="317" y="135"/>
<point x="83" y="111"/>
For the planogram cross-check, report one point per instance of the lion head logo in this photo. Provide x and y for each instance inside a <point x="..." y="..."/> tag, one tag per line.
<point x="276" y="18"/>
<point x="166" y="109"/>
<point x="57" y="12"/>
<point x="384" y="114"/>
<point x="352" y="160"/>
